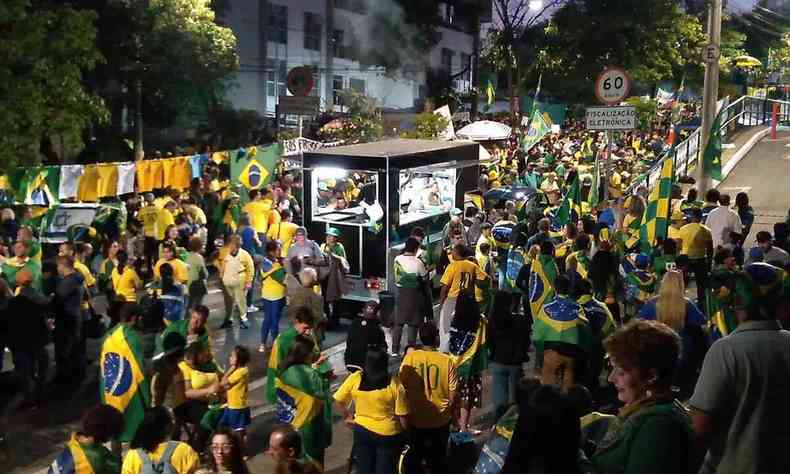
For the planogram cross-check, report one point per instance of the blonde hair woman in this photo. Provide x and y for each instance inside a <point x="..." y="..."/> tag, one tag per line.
<point x="672" y="308"/>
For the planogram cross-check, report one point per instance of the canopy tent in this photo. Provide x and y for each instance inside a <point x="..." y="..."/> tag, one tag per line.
<point x="484" y="130"/>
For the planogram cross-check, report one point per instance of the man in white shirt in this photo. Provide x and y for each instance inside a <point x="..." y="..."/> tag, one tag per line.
<point x="723" y="220"/>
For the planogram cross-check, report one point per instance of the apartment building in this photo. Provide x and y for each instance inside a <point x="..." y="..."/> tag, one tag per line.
<point x="275" y="36"/>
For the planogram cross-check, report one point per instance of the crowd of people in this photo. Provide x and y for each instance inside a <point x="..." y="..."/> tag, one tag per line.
<point x="581" y="335"/>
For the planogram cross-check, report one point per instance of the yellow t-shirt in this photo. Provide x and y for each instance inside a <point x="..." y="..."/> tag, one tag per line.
<point x="184" y="459"/>
<point x="125" y="285"/>
<point x="673" y="233"/>
<point x="284" y="232"/>
<point x="461" y="275"/>
<point x="149" y="216"/>
<point x="430" y="380"/>
<point x="696" y="240"/>
<point x="165" y="219"/>
<point x="237" y="393"/>
<point x="85" y="272"/>
<point x="180" y="273"/>
<point x="197" y="378"/>
<point x="258" y="212"/>
<point x="375" y="410"/>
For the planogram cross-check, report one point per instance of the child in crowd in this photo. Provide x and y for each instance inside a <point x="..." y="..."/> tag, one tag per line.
<point x="236" y="382"/>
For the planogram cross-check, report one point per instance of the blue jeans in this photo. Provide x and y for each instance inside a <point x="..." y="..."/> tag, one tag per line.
<point x="272" y="310"/>
<point x="375" y="453"/>
<point x="503" y="386"/>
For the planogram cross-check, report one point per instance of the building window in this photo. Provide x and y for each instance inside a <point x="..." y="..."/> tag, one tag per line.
<point x="278" y="24"/>
<point x="357" y="85"/>
<point x="447" y="60"/>
<point x="312" y="31"/>
<point x="316" y="91"/>
<point x="339" y="49"/>
<point x="337" y="88"/>
<point x="276" y="72"/>
<point x="358" y="6"/>
<point x="466" y="64"/>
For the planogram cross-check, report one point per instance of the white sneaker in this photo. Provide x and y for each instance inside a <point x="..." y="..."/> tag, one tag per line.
<point x="262" y="348"/>
<point x="252" y="309"/>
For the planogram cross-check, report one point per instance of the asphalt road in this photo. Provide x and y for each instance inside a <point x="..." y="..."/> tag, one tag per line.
<point x="763" y="174"/>
<point x="35" y="437"/>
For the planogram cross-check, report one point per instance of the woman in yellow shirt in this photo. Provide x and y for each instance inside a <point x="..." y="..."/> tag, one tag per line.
<point x="379" y="417"/>
<point x="151" y="445"/>
<point x="236" y="415"/>
<point x="273" y="291"/>
<point x="180" y="272"/>
<point x="125" y="283"/>
<point x="200" y="388"/>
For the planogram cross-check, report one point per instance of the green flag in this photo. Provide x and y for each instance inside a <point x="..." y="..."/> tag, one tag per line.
<point x="572" y="202"/>
<point x="538" y="128"/>
<point x="254" y="167"/>
<point x="712" y="155"/>
<point x="656" y="218"/>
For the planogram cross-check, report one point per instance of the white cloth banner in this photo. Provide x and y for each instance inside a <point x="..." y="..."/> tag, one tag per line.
<point x="449" y="132"/>
<point x="126" y="173"/>
<point x="69" y="180"/>
<point x="664" y="97"/>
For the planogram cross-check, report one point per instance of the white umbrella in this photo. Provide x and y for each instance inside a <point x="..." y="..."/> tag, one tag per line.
<point x="483" y="130"/>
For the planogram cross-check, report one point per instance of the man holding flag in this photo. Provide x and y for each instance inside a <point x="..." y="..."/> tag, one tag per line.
<point x="84" y="452"/>
<point x="122" y="383"/>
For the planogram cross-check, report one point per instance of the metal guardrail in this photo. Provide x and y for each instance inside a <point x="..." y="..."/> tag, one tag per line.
<point x="745" y="112"/>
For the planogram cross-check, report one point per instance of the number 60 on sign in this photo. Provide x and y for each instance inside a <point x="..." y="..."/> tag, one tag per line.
<point x="612" y="86"/>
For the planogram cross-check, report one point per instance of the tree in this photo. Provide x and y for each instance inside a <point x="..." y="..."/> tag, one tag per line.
<point x="45" y="50"/>
<point x="427" y="126"/>
<point x="509" y="46"/>
<point x="653" y="40"/>
<point x="363" y="123"/>
<point x="646" y="112"/>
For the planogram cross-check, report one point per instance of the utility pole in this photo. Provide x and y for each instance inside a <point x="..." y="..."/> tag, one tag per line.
<point x="329" y="37"/>
<point x="139" y="153"/>
<point x="474" y="96"/>
<point x="711" y="93"/>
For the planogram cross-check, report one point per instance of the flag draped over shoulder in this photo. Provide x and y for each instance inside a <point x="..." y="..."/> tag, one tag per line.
<point x="303" y="402"/>
<point x="79" y="459"/>
<point x="561" y="320"/>
<point x="122" y="383"/>
<point x="541" y="281"/>
<point x="594" y="198"/>
<point x="468" y="350"/>
<point x="712" y="155"/>
<point x="538" y="128"/>
<point x="572" y="202"/>
<point x="280" y="349"/>
<point x="656" y="218"/>
<point x="254" y="167"/>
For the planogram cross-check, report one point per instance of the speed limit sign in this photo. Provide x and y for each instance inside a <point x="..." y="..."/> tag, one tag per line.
<point x="612" y="86"/>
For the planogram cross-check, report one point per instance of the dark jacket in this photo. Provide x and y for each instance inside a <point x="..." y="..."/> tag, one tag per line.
<point x="69" y="293"/>
<point x="362" y="334"/>
<point x="26" y="317"/>
<point x="508" y="338"/>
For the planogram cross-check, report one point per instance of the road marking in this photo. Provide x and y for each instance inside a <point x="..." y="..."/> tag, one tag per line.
<point x="728" y="146"/>
<point x="737" y="189"/>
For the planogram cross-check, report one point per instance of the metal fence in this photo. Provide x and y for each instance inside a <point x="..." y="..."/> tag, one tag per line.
<point x="745" y="112"/>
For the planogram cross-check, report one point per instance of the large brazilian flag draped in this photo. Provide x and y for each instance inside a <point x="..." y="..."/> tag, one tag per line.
<point x="468" y="350"/>
<point x="254" y="167"/>
<point x="656" y="218"/>
<point x="280" y="349"/>
<point x="122" y="381"/>
<point x="561" y="320"/>
<point x="89" y="459"/>
<point x="541" y="281"/>
<point x="303" y="402"/>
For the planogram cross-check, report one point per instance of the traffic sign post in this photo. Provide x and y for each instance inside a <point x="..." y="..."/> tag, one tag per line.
<point x="612" y="87"/>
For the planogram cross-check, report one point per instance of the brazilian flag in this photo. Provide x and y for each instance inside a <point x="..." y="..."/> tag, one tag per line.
<point x="303" y="401"/>
<point x="571" y="204"/>
<point x="254" y="167"/>
<point x="541" y="281"/>
<point x="13" y="265"/>
<point x="122" y="382"/>
<point x="84" y="459"/>
<point x="468" y="350"/>
<point x="538" y="128"/>
<point x="282" y="345"/>
<point x="561" y="320"/>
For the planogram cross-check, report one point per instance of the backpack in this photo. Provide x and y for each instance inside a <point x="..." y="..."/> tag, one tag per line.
<point x="163" y="466"/>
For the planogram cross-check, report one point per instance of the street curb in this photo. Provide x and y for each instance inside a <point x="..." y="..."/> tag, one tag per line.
<point x="740" y="154"/>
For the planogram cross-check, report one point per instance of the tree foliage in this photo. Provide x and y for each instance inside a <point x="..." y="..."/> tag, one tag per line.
<point x="646" y="112"/>
<point x="428" y="126"/>
<point x="363" y="123"/>
<point x="653" y="40"/>
<point x="45" y="50"/>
